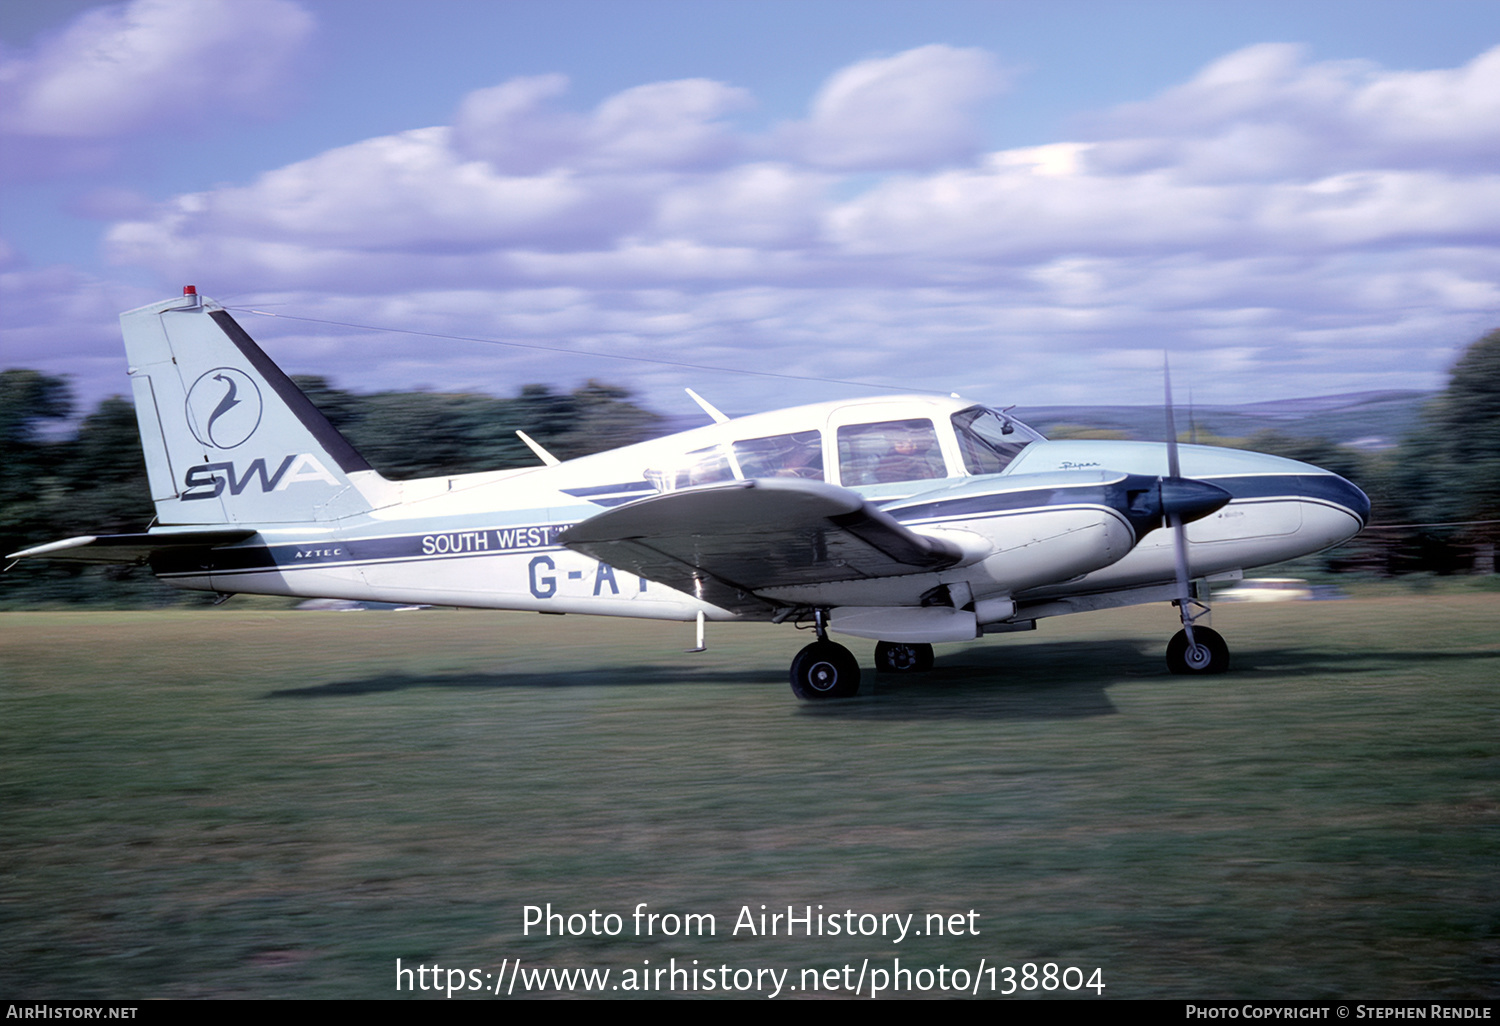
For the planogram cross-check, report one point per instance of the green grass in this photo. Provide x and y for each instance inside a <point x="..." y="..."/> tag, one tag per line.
<point x="237" y="803"/>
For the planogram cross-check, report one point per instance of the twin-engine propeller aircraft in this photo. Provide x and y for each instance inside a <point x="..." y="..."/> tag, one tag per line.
<point x="906" y="520"/>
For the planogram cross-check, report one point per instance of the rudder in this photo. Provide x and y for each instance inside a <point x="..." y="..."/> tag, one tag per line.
<point x="228" y="438"/>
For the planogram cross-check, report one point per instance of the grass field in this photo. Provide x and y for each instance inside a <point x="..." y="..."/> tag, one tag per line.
<point x="236" y="803"/>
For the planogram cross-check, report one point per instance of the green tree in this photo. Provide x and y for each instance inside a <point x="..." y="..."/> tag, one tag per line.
<point x="429" y="434"/>
<point x="102" y="472"/>
<point x="27" y="399"/>
<point x="1448" y="470"/>
<point x="598" y="417"/>
<point x="1468" y="415"/>
<point x="93" y="482"/>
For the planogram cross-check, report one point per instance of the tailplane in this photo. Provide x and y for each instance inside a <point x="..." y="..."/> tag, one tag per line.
<point x="228" y="438"/>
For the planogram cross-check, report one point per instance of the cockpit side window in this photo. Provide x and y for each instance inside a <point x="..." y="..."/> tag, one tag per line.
<point x="701" y="466"/>
<point x="989" y="441"/>
<point x="888" y="451"/>
<point x="799" y="454"/>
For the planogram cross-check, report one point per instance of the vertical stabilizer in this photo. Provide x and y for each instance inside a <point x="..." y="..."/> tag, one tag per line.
<point x="228" y="438"/>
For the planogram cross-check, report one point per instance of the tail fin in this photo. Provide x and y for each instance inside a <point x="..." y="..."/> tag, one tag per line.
<point x="228" y="438"/>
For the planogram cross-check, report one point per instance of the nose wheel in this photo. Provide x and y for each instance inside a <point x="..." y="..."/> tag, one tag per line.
<point x="1206" y="653"/>
<point x="901" y="657"/>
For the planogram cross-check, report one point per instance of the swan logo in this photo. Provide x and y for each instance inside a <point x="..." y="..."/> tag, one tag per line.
<point x="223" y="408"/>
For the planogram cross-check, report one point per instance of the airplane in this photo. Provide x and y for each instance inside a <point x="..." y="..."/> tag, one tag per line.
<point x="908" y="520"/>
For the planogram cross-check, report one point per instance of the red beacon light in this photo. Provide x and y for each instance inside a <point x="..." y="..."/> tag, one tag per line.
<point x="190" y="290"/>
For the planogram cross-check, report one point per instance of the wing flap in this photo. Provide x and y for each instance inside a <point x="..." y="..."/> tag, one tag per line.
<point x="725" y="542"/>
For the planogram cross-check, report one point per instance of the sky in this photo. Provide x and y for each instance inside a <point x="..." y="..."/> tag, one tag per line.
<point x="764" y="200"/>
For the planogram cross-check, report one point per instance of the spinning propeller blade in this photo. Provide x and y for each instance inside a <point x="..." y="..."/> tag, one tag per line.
<point x="1174" y="518"/>
<point x="1182" y="500"/>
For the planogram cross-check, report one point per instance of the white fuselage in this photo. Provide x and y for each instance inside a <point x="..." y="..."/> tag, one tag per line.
<point x="1033" y="531"/>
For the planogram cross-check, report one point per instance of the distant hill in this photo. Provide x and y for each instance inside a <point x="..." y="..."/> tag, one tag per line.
<point x="1365" y="420"/>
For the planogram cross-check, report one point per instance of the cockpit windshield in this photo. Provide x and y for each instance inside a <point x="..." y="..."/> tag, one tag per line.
<point x="990" y="440"/>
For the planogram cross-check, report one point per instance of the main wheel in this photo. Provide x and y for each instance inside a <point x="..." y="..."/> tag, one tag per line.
<point x="1209" y="655"/>
<point x="825" y="670"/>
<point x="902" y="657"/>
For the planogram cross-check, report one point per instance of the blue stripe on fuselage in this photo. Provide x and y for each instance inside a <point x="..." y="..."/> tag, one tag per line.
<point x="1327" y="488"/>
<point x="429" y="545"/>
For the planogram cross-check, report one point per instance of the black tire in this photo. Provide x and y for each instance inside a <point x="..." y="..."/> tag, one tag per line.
<point x="1211" y="656"/>
<point x="825" y="670"/>
<point x="902" y="657"/>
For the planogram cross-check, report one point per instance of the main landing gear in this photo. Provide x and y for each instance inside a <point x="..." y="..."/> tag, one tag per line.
<point x="902" y="657"/>
<point x="824" y="669"/>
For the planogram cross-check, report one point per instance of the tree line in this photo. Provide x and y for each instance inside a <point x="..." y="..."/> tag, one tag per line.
<point x="1435" y="497"/>
<point x="92" y="480"/>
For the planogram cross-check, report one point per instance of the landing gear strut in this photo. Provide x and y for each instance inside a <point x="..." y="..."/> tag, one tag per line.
<point x="902" y="657"/>
<point x="824" y="669"/>
<point x="1197" y="648"/>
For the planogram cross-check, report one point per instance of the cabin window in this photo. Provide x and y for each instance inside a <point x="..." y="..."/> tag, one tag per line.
<point x="701" y="466"/>
<point x="989" y="441"/>
<point x="892" y="450"/>
<point x="796" y="455"/>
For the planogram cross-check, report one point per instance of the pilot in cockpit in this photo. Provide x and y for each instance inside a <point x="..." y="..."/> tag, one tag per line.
<point x="913" y="456"/>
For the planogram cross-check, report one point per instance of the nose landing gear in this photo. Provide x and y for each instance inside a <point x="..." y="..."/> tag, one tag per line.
<point x="1205" y="652"/>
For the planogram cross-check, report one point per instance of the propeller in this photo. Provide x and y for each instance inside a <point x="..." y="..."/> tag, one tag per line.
<point x="1183" y="500"/>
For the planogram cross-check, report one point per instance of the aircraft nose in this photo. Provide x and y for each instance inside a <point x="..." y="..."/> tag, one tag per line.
<point x="1333" y="488"/>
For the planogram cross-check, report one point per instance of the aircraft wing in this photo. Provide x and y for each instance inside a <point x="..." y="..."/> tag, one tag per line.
<point x="129" y="548"/>
<point x="724" y="542"/>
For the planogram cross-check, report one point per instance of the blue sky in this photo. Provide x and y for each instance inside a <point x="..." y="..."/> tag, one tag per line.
<point x="1023" y="202"/>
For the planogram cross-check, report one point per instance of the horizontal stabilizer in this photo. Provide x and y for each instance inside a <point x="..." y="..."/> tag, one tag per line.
<point x="725" y="542"/>
<point x="129" y="548"/>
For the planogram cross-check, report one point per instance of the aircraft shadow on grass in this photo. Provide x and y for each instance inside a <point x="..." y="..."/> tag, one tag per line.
<point x="1311" y="664"/>
<point x="1050" y="681"/>
<point x="1066" y="680"/>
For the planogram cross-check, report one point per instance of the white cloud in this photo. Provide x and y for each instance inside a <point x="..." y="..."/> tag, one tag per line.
<point x="765" y="205"/>
<point x="150" y="64"/>
<point x="1260" y="220"/>
<point x="1264" y="112"/>
<point x="913" y="110"/>
<point x="518" y="129"/>
<point x="515" y="126"/>
<point x="61" y="321"/>
<point x="1003" y="213"/>
<point x="666" y="125"/>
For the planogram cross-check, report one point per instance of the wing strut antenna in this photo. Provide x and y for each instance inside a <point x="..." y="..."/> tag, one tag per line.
<point x="708" y="407"/>
<point x="701" y="646"/>
<point x="541" y="454"/>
